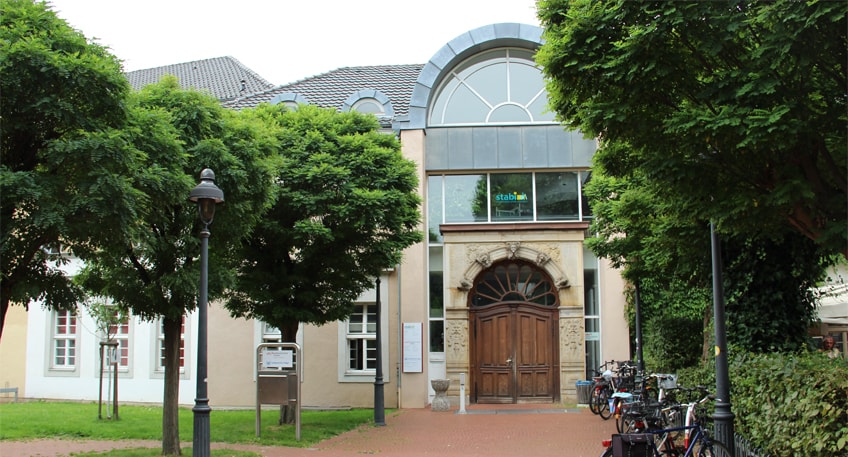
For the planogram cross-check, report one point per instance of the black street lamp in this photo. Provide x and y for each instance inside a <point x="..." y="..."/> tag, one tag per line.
<point x="379" y="396"/>
<point x="206" y="195"/>
<point x="723" y="416"/>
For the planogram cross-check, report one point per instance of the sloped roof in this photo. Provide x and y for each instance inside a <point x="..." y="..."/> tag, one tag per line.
<point x="224" y="77"/>
<point x="332" y="89"/>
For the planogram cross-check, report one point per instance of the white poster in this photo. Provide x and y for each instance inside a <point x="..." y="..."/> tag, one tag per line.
<point x="413" y="352"/>
<point x="277" y="359"/>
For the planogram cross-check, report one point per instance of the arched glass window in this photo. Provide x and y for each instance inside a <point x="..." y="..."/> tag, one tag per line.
<point x="500" y="86"/>
<point x="513" y="281"/>
<point x="370" y="106"/>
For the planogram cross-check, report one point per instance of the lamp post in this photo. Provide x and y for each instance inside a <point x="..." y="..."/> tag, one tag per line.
<point x="637" y="301"/>
<point x="379" y="398"/>
<point x="723" y="416"/>
<point x="206" y="195"/>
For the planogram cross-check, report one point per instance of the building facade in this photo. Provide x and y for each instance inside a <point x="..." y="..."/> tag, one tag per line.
<point x="502" y="294"/>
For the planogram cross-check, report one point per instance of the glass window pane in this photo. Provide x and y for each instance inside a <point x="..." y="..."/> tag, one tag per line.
<point x="434" y="208"/>
<point x="465" y="107"/>
<point x="512" y="197"/>
<point x="489" y="82"/>
<point x="587" y="210"/>
<point x="372" y="319"/>
<point x="557" y="196"/>
<point x="371" y="351"/>
<point x="465" y="198"/>
<point x="437" y="305"/>
<point x="437" y="336"/>
<point x="369" y="106"/>
<point x="525" y="81"/>
<point x="509" y="113"/>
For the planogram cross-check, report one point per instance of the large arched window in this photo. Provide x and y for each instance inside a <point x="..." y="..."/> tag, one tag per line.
<point x="513" y="282"/>
<point x="500" y="86"/>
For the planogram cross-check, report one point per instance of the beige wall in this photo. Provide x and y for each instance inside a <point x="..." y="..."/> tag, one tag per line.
<point x="231" y="349"/>
<point x="13" y="352"/>
<point x="615" y="339"/>
<point x="414" y="278"/>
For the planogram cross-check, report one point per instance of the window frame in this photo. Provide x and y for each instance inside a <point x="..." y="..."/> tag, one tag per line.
<point x="345" y="374"/>
<point x="71" y="333"/>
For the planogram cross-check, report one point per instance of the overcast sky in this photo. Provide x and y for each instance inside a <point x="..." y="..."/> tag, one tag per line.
<point x="283" y="40"/>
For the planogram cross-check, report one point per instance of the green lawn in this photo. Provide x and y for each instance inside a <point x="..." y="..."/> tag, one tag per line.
<point x="68" y="420"/>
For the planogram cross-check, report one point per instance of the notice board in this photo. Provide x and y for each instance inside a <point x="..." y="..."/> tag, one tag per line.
<point x="413" y="351"/>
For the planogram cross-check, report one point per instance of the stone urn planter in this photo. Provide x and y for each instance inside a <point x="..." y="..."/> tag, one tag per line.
<point x="441" y="402"/>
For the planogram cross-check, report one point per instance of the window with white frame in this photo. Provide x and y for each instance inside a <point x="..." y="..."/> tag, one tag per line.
<point x="65" y="340"/>
<point x="120" y="332"/>
<point x="361" y="337"/>
<point x="271" y="334"/>
<point x="160" y="346"/>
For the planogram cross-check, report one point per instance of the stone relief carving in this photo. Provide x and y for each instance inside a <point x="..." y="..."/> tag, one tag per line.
<point x="456" y="339"/>
<point x="571" y="339"/>
<point x="512" y="247"/>
<point x="485" y="260"/>
<point x="542" y="259"/>
<point x="562" y="283"/>
<point x="465" y="284"/>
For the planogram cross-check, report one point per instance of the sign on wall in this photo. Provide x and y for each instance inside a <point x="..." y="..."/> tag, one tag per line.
<point x="413" y="352"/>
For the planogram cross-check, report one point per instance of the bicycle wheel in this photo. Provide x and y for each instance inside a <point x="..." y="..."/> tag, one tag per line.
<point x="625" y="417"/>
<point x="593" y="399"/>
<point x="607" y="452"/>
<point x="711" y="449"/>
<point x="603" y="404"/>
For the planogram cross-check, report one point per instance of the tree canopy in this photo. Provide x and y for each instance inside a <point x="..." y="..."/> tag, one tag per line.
<point x="346" y="207"/>
<point x="732" y="112"/>
<point x="62" y="180"/>
<point x="736" y="109"/>
<point x="154" y="271"/>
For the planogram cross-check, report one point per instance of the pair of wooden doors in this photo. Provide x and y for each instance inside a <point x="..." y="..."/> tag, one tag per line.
<point x="514" y="335"/>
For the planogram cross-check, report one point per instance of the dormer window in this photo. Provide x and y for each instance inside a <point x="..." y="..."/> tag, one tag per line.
<point x="369" y="101"/>
<point x="370" y="106"/>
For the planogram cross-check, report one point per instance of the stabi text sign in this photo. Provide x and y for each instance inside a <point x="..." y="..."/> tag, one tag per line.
<point x="413" y="354"/>
<point x="277" y="359"/>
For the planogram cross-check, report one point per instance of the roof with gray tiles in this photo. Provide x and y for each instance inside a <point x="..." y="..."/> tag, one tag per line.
<point x="224" y="77"/>
<point x="333" y="89"/>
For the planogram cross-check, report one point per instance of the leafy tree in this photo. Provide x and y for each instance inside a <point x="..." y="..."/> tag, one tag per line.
<point x="60" y="182"/>
<point x="737" y="110"/>
<point x="346" y="207"/>
<point x="154" y="272"/>
<point x="767" y="280"/>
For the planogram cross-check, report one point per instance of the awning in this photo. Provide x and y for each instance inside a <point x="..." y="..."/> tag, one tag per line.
<point x="833" y="304"/>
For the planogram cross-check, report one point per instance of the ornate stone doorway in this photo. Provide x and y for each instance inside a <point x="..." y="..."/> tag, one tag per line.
<point x="514" y="335"/>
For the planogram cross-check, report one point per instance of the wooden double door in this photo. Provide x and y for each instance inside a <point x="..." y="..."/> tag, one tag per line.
<point x="514" y="335"/>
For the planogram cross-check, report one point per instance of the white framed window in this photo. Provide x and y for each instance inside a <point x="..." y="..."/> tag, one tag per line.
<point x="160" y="346"/>
<point x="499" y="86"/>
<point x="65" y="340"/>
<point x="271" y="334"/>
<point x="119" y="331"/>
<point x="357" y="338"/>
<point x="361" y="339"/>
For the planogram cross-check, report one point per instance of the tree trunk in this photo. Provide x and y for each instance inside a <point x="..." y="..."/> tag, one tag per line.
<point x="4" y="306"/>
<point x="170" y="404"/>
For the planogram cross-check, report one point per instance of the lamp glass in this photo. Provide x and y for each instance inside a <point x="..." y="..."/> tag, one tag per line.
<point x="207" y="209"/>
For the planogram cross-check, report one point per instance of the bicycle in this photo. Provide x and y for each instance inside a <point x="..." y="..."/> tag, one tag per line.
<point x="655" y="392"/>
<point x="605" y="385"/>
<point x="664" y="442"/>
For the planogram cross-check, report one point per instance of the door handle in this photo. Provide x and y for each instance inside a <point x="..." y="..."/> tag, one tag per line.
<point x="509" y="362"/>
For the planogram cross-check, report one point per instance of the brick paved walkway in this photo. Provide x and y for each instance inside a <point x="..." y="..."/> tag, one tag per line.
<point x="484" y="431"/>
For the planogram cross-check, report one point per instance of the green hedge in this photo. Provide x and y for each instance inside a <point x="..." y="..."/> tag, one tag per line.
<point x="787" y="404"/>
